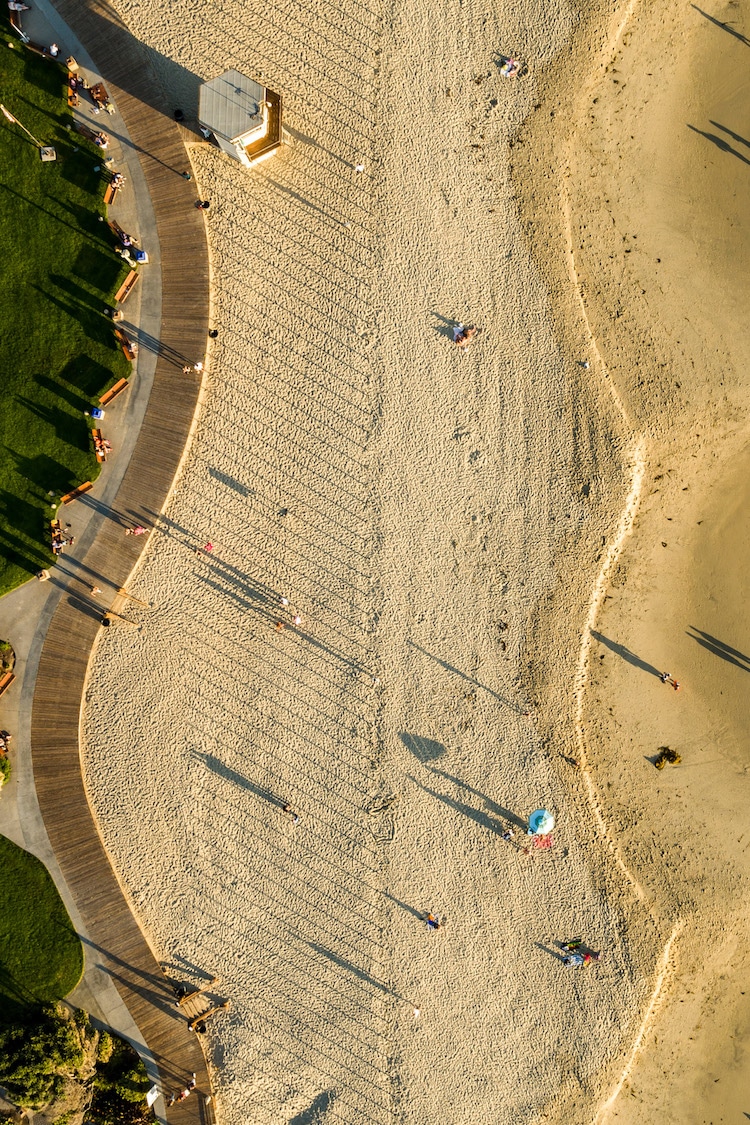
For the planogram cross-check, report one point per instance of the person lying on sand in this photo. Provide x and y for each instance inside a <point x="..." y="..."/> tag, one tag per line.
<point x="509" y="68"/>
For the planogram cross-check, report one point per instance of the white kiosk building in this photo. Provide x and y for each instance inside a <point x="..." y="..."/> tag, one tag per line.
<point x="243" y="116"/>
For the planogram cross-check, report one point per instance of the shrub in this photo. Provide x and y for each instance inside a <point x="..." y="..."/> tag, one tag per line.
<point x="121" y="1085"/>
<point x="5" y="771"/>
<point x="105" y="1048"/>
<point x="36" y="1059"/>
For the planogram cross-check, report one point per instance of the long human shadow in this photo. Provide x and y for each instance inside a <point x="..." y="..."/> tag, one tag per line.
<point x="418" y="914"/>
<point x="729" y="132"/>
<point x="350" y="967"/>
<point x="719" y="648"/>
<point x="724" y="26"/>
<point x="228" y="774"/>
<point x="720" y="143"/>
<point x="558" y="956"/>
<point x="492" y="806"/>
<point x="469" y="679"/>
<point x="625" y="654"/>
<point x="479" y="817"/>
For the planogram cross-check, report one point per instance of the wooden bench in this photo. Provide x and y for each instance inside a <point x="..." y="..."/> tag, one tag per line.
<point x="70" y="496"/>
<point x="127" y="286"/>
<point x="15" y="23"/>
<point x="129" y="348"/>
<point x="6" y="681"/>
<point x="110" y="194"/>
<point x="113" y="392"/>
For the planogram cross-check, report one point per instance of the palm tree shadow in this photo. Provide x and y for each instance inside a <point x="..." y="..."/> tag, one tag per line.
<point x="625" y="654"/>
<point x="424" y="749"/>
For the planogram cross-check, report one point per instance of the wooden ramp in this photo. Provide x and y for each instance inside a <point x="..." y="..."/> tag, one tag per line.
<point x="115" y="939"/>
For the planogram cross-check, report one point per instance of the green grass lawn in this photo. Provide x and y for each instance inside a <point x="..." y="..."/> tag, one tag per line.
<point x="41" y="957"/>
<point x="59" y="271"/>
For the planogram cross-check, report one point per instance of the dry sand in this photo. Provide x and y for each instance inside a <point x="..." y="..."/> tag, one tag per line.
<point x="452" y="522"/>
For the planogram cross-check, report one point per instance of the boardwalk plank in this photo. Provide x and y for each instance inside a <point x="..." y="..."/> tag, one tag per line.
<point x="114" y="938"/>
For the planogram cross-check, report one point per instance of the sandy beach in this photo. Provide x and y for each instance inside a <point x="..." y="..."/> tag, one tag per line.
<point x="473" y="543"/>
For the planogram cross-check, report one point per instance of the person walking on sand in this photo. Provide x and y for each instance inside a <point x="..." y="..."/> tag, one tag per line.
<point x="668" y="678"/>
<point x="463" y="336"/>
<point x="433" y="921"/>
<point x="290" y="812"/>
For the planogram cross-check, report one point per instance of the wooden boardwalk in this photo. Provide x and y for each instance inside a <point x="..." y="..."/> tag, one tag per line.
<point x="118" y="944"/>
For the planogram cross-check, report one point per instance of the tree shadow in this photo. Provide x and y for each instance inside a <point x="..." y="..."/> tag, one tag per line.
<point x="424" y="749"/>
<point x="16" y="998"/>
<point x="720" y="143"/>
<point x="719" y="648"/>
<point x="625" y="654"/>
<point x="43" y="471"/>
<point x="723" y="25"/>
<point x="133" y="65"/>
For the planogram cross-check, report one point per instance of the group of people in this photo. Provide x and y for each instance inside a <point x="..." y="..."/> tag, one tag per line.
<point x="5" y="738"/>
<point x="60" y="539"/>
<point x="184" y="1092"/>
<point x="102" y="447"/>
<point x="577" y="955"/>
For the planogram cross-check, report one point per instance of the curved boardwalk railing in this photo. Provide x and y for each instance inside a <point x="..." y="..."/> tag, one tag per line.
<point x="118" y="944"/>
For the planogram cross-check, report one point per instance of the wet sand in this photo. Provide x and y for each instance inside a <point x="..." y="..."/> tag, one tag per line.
<point x="654" y="180"/>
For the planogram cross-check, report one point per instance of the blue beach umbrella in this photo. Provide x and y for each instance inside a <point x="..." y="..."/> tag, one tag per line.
<point x="541" y="823"/>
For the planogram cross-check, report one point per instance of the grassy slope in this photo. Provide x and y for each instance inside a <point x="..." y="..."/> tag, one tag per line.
<point x="57" y="350"/>
<point x="41" y="957"/>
